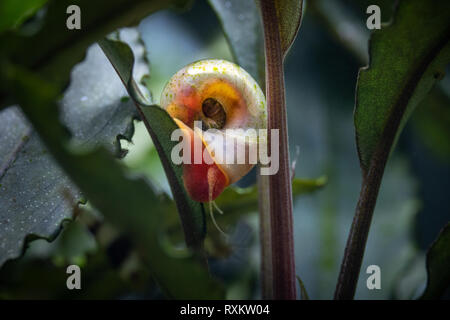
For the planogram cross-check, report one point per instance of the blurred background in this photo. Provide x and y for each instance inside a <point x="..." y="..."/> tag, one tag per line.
<point x="321" y="70"/>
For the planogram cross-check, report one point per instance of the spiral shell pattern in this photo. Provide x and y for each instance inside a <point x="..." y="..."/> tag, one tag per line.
<point x="221" y="95"/>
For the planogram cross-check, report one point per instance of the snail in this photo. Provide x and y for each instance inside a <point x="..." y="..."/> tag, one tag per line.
<point x="225" y="102"/>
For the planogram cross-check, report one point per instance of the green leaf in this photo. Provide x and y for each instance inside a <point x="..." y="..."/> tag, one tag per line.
<point x="56" y="49"/>
<point x="237" y="202"/>
<point x="240" y="201"/>
<point x="42" y="270"/>
<point x="438" y="262"/>
<point x="160" y="126"/>
<point x="40" y="279"/>
<point x="35" y="194"/>
<point x="241" y="23"/>
<point x="73" y="245"/>
<point x="289" y="13"/>
<point x="406" y="59"/>
<point x="303" y="292"/>
<point x="432" y="122"/>
<point x="13" y="13"/>
<point x="128" y="203"/>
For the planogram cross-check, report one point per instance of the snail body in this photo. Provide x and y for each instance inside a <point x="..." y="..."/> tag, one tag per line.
<point x="225" y="100"/>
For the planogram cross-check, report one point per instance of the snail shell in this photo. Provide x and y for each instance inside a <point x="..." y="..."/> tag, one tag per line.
<point x="221" y="95"/>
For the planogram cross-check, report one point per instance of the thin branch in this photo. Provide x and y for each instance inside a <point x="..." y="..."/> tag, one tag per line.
<point x="372" y="176"/>
<point x="265" y="238"/>
<point x="282" y="238"/>
<point x="356" y="242"/>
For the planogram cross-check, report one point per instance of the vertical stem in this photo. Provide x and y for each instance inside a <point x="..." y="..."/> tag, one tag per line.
<point x="265" y="238"/>
<point x="356" y="243"/>
<point x="282" y="238"/>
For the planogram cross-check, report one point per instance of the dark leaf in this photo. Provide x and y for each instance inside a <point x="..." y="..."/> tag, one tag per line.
<point x="160" y="126"/>
<point x="241" y="23"/>
<point x="432" y="118"/>
<point x="432" y="122"/>
<point x="438" y="266"/>
<point x="406" y="59"/>
<point x="35" y="194"/>
<point x="343" y="26"/>
<point x="56" y="49"/>
<point x="130" y="204"/>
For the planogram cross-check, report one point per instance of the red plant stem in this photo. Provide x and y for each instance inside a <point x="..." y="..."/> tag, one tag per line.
<point x="280" y="189"/>
<point x="265" y="238"/>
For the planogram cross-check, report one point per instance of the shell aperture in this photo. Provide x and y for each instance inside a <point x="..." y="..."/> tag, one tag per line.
<point x="229" y="104"/>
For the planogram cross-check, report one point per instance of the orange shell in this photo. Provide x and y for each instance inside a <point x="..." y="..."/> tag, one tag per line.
<point x="245" y="108"/>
